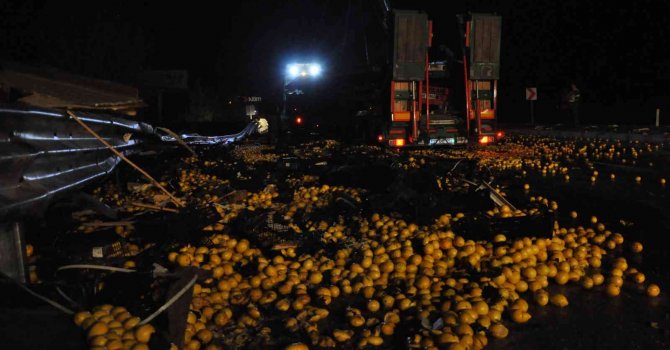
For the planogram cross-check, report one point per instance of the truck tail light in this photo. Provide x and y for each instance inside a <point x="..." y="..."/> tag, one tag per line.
<point x="485" y="139"/>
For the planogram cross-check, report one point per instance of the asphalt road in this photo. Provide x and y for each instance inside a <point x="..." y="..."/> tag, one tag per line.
<point x="592" y="320"/>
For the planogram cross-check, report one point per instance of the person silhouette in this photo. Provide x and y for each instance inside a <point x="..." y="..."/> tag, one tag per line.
<point x="572" y="99"/>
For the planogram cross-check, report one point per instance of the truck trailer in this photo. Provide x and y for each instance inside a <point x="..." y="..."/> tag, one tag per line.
<point x="422" y="109"/>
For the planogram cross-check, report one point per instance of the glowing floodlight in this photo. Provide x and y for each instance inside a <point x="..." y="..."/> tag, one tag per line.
<point x="314" y="69"/>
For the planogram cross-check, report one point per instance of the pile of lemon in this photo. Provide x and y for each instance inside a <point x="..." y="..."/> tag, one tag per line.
<point x="550" y="157"/>
<point x="113" y="328"/>
<point x="306" y="199"/>
<point x="315" y="149"/>
<point x="304" y="180"/>
<point x="329" y="233"/>
<point x="229" y="211"/>
<point x="192" y="180"/>
<point x="252" y="154"/>
<point x="504" y="211"/>
<point x="385" y="275"/>
<point x="390" y="282"/>
<point x="511" y="157"/>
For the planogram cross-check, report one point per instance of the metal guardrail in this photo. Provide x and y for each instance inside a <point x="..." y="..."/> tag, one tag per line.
<point x="44" y="153"/>
<point x="630" y="135"/>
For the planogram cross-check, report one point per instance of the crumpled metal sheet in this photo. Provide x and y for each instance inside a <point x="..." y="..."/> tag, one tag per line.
<point x="44" y="153"/>
<point x="259" y="126"/>
<point x="52" y="88"/>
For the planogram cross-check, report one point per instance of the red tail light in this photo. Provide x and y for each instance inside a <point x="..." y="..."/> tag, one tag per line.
<point x="500" y="134"/>
<point x="298" y="120"/>
<point x="380" y="138"/>
<point x="397" y="142"/>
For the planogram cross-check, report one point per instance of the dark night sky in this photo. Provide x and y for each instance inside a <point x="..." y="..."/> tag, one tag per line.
<point x="615" y="52"/>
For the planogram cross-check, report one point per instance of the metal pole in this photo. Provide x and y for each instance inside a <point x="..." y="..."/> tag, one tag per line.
<point x="414" y="121"/>
<point x="532" y="113"/>
<point x="495" y="104"/>
<point x="468" y="100"/>
<point x="392" y="100"/>
<point x="283" y="110"/>
<point x="420" y="98"/>
<point x="428" y="93"/>
<point x="160" y="106"/>
<point x="478" y="111"/>
<point x="658" y="117"/>
<point x="420" y="106"/>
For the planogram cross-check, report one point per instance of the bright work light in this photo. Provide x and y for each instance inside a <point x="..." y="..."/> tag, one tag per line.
<point x="297" y="72"/>
<point x="303" y="70"/>
<point x="293" y="70"/>
<point x="314" y="69"/>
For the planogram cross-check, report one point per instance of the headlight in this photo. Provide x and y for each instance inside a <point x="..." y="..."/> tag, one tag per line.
<point x="293" y="70"/>
<point x="314" y="69"/>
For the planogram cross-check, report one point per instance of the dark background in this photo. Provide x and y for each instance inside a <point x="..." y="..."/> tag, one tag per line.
<point x="617" y="54"/>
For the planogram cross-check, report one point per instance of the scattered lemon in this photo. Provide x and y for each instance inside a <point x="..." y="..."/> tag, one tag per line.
<point x="131" y="323"/>
<point x="373" y="305"/>
<point x="542" y="298"/>
<point x="612" y="290"/>
<point x="559" y="300"/>
<point x="499" y="331"/>
<point x="183" y="260"/>
<point x="587" y="283"/>
<point x="205" y="335"/>
<point x="79" y="317"/>
<point x="520" y="316"/>
<point x="653" y="290"/>
<point x="143" y="333"/>
<point x="598" y="279"/>
<point x="98" y="328"/>
<point x="99" y="340"/>
<point x="375" y="340"/>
